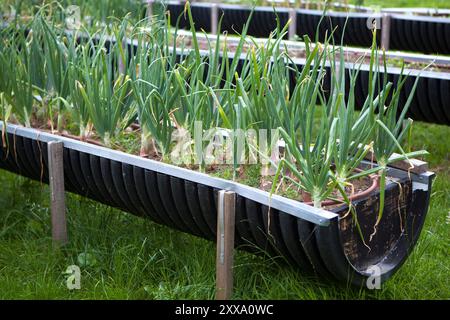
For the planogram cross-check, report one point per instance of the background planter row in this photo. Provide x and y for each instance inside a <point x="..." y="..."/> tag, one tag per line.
<point x="407" y="32"/>
<point x="314" y="240"/>
<point x="430" y="102"/>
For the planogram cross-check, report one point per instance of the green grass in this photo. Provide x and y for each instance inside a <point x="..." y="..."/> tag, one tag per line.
<point x="375" y="3"/>
<point x="405" y="3"/>
<point x="133" y="258"/>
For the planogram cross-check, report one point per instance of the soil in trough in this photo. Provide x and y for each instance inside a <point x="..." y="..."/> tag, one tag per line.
<point x="251" y="174"/>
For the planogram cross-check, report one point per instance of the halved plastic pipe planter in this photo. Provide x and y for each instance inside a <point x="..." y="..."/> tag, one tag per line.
<point x="430" y="102"/>
<point x="315" y="240"/>
<point x="431" y="99"/>
<point x="425" y="34"/>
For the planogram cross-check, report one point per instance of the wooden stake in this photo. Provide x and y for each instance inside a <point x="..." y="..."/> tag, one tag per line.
<point x="292" y="32"/>
<point x="225" y="244"/>
<point x="122" y="64"/>
<point x="337" y="73"/>
<point x="58" y="207"/>
<point x="385" y="31"/>
<point x="214" y="18"/>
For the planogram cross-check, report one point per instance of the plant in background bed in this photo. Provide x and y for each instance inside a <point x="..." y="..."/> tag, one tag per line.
<point x="391" y="131"/>
<point x="17" y="68"/>
<point x="154" y="88"/>
<point x="79" y="56"/>
<point x="106" y="91"/>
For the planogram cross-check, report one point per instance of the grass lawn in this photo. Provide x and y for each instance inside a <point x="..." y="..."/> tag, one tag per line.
<point x="405" y="3"/>
<point x="125" y="257"/>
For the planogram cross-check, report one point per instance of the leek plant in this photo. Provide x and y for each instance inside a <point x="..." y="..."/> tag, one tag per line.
<point x="207" y="88"/>
<point x="390" y="132"/>
<point x="263" y="89"/>
<point x="49" y="59"/>
<point x="309" y="152"/>
<point x="229" y="92"/>
<point x="56" y="68"/>
<point x="6" y="110"/>
<point x="154" y="87"/>
<point x="326" y="161"/>
<point x="106" y="92"/>
<point x="17" y="68"/>
<point x="79" y="55"/>
<point x="354" y="131"/>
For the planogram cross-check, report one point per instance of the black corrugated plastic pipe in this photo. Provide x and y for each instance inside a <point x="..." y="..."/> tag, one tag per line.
<point x="314" y="240"/>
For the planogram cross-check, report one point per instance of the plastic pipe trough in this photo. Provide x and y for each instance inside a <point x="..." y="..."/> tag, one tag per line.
<point x="430" y="103"/>
<point x="407" y="32"/>
<point x="312" y="239"/>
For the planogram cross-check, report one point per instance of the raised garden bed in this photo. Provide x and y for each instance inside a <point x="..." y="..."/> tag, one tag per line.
<point x="325" y="242"/>
<point x="429" y="103"/>
<point x="427" y="34"/>
<point x="96" y="87"/>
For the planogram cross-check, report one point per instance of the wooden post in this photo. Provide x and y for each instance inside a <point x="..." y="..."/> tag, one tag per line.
<point x="58" y="207"/>
<point x="225" y="244"/>
<point x="292" y="32"/>
<point x="337" y="74"/>
<point x="122" y="64"/>
<point x="385" y="31"/>
<point x="214" y="18"/>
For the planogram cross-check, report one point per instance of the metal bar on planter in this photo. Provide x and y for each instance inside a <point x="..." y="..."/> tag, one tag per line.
<point x="295" y="208"/>
<point x="418" y="11"/>
<point x="58" y="207"/>
<point x="385" y="31"/>
<point x="226" y="208"/>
